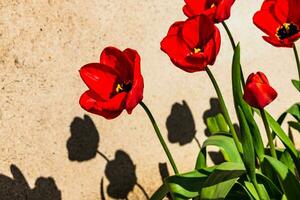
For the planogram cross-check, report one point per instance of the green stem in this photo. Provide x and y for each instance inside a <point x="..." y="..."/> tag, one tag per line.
<point x="269" y="135"/>
<point x="224" y="110"/>
<point x="229" y="35"/>
<point x="297" y="59"/>
<point x="258" y="190"/>
<point x="233" y="47"/>
<point x="161" y="139"/>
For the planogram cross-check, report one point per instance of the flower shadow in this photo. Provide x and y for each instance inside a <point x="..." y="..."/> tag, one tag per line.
<point x="84" y="140"/>
<point x="181" y="124"/>
<point x="121" y="175"/>
<point x="17" y="188"/>
<point x="120" y="172"/>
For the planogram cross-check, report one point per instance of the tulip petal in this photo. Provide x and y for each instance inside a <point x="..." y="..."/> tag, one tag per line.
<point x="277" y="43"/>
<point x="281" y="10"/>
<point x="265" y="20"/>
<point x="178" y="51"/>
<point x="135" y="95"/>
<point x="212" y="47"/>
<point x="223" y="10"/>
<point x="293" y="13"/>
<point x="197" y="31"/>
<point x="175" y="47"/>
<point x="194" y="7"/>
<point x="99" y="78"/>
<point x="259" y="95"/>
<point x="115" y="59"/>
<point x="91" y="102"/>
<point x="175" y="28"/>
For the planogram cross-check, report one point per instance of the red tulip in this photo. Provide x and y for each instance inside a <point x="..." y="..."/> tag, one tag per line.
<point x="192" y="44"/>
<point x="257" y="92"/>
<point x="280" y="20"/>
<point x="114" y="84"/>
<point x="218" y="10"/>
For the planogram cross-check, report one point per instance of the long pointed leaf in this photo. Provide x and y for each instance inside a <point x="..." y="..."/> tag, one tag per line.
<point x="239" y="101"/>
<point x="222" y="180"/>
<point x="247" y="143"/>
<point x="160" y="193"/>
<point x="226" y="145"/>
<point x="290" y="184"/>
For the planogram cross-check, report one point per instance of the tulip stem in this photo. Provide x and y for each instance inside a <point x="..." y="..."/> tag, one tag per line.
<point x="161" y="139"/>
<point x="224" y="110"/>
<point x="269" y="135"/>
<point x="233" y="47"/>
<point x="297" y="59"/>
<point x="229" y="34"/>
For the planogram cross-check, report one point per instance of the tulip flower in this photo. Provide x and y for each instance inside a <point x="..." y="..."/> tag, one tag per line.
<point x="280" y="20"/>
<point x="217" y="10"/>
<point x="192" y="44"/>
<point x="257" y="92"/>
<point x="115" y="84"/>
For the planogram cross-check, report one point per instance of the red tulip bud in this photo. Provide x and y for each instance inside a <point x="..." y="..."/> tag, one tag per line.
<point x="257" y="92"/>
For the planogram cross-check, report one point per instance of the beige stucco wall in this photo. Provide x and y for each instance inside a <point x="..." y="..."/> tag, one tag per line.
<point x="43" y="43"/>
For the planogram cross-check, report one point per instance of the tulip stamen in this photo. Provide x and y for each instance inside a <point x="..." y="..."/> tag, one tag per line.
<point x="124" y="87"/>
<point x="213" y="5"/>
<point x="197" y="50"/>
<point x="286" y="30"/>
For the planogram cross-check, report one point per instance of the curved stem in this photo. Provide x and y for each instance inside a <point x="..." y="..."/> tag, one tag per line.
<point x="269" y="135"/>
<point x="229" y="35"/>
<point x="233" y="47"/>
<point x="103" y="156"/>
<point x="297" y="59"/>
<point x="161" y="139"/>
<point x="197" y="141"/>
<point x="143" y="190"/>
<point x="224" y="110"/>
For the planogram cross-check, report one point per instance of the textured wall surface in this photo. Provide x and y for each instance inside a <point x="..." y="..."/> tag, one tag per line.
<point x="43" y="130"/>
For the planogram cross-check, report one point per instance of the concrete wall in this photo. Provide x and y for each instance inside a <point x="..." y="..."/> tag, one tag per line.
<point x="43" y="44"/>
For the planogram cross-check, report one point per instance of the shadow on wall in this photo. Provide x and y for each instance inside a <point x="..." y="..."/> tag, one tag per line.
<point x="121" y="175"/>
<point x="84" y="140"/>
<point x="181" y="124"/>
<point x="17" y="188"/>
<point x="164" y="173"/>
<point x="120" y="172"/>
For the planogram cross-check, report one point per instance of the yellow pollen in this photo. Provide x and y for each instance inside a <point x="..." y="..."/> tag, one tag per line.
<point x="119" y="88"/>
<point x="212" y="5"/>
<point x="197" y="50"/>
<point x="287" y="26"/>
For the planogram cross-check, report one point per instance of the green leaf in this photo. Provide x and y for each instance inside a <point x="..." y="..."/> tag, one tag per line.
<point x="294" y="110"/>
<point x="296" y="84"/>
<point x="160" y="193"/>
<point x="188" y="185"/>
<point x="295" y="125"/>
<point x="250" y="187"/>
<point x="247" y="143"/>
<point x="221" y="180"/>
<point x="289" y="182"/>
<point x="272" y="190"/>
<point x="281" y="134"/>
<point x="217" y="124"/>
<point x="226" y="145"/>
<point x="201" y="159"/>
<point x="285" y="158"/>
<point x="239" y="192"/>
<point x="239" y="101"/>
